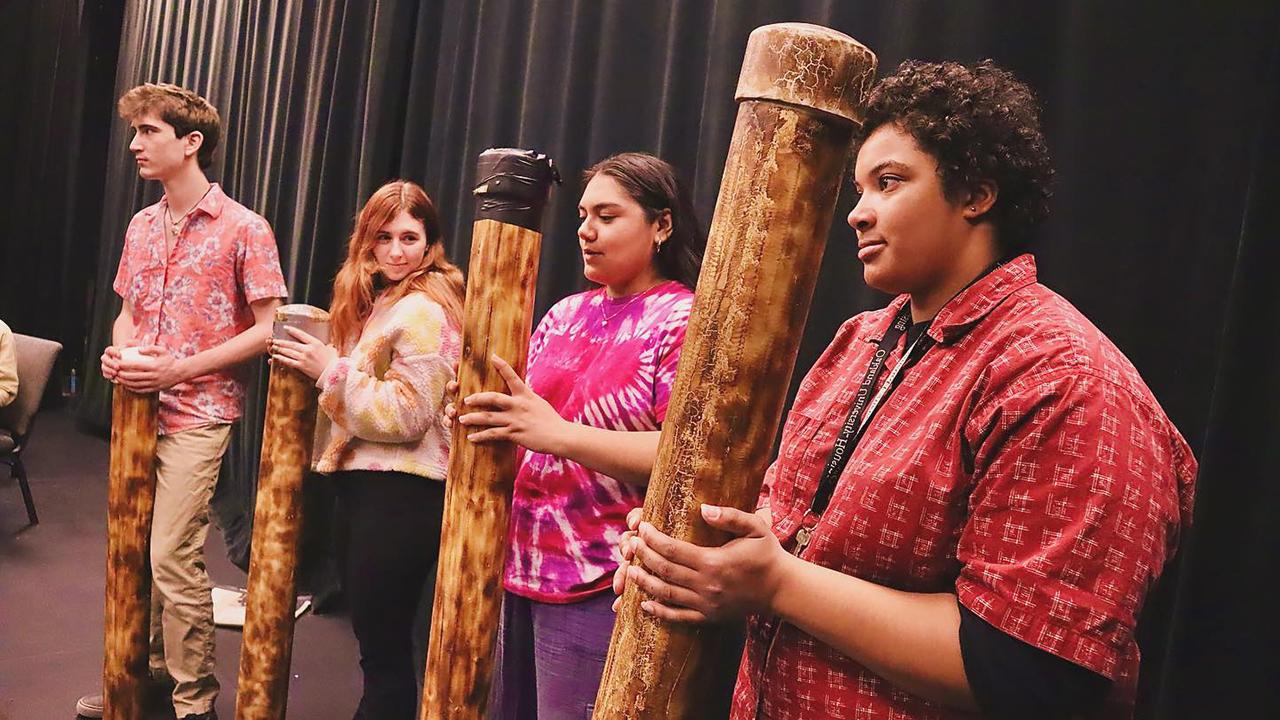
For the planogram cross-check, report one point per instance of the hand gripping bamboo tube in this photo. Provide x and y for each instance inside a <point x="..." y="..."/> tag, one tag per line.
<point x="800" y="91"/>
<point x="131" y="499"/>
<point x="266" y="648"/>
<point x="512" y="189"/>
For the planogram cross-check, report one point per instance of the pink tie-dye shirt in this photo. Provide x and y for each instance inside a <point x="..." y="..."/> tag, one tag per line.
<point x="608" y="363"/>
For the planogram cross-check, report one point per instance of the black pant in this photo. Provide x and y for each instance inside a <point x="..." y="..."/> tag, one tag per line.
<point x="393" y="540"/>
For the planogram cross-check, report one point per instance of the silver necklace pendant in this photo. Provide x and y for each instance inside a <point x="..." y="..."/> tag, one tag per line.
<point x="605" y="317"/>
<point x="177" y="224"/>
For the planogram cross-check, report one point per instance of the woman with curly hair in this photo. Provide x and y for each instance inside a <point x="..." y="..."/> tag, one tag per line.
<point x="975" y="489"/>
<point x="396" y="324"/>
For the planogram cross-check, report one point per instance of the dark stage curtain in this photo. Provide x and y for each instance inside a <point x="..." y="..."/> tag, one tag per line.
<point x="1222" y="660"/>
<point x="57" y="64"/>
<point x="1152" y="111"/>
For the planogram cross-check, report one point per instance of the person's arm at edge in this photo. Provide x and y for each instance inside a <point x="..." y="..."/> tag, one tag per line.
<point x="8" y="367"/>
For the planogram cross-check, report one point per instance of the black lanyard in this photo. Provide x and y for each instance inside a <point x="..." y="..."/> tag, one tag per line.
<point x="865" y="404"/>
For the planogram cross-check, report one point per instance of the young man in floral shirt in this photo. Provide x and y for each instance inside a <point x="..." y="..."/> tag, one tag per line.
<point x="200" y="281"/>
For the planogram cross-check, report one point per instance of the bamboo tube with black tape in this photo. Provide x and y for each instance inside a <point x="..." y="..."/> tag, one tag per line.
<point x="511" y="191"/>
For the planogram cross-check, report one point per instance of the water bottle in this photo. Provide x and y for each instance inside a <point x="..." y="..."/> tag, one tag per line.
<point x="72" y="387"/>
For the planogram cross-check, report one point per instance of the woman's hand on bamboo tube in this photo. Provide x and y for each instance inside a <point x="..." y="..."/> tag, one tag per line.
<point x="522" y="416"/>
<point x="449" y="398"/>
<point x="306" y="353"/>
<point x="691" y="583"/>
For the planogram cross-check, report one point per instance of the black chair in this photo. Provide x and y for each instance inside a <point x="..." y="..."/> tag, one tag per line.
<point x="35" y="363"/>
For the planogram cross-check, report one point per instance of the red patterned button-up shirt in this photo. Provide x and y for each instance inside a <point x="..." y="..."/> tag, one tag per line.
<point x="1021" y="464"/>
<point x="224" y="258"/>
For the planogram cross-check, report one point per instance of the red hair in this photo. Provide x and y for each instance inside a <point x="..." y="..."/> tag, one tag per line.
<point x="356" y="286"/>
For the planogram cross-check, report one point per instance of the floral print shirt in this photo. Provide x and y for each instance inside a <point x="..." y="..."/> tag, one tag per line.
<point x="198" y="296"/>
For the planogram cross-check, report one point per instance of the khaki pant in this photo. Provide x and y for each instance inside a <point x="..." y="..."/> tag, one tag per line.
<point x="182" y="634"/>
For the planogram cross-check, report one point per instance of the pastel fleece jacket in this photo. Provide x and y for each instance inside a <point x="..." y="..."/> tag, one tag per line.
<point x="381" y="405"/>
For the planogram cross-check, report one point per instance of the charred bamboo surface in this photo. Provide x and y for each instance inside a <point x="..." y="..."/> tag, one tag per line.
<point x="266" y="649"/>
<point x="267" y="646"/>
<point x="800" y="89"/>
<point x="499" y="316"/>
<point x="131" y="498"/>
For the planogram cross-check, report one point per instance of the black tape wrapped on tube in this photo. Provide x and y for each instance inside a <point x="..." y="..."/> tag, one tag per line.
<point x="512" y="186"/>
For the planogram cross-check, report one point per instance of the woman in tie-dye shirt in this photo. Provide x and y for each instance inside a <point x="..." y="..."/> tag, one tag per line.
<point x="601" y="366"/>
<point x="396" y="328"/>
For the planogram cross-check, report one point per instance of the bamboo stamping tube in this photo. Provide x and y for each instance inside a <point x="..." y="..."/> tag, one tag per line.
<point x="512" y="189"/>
<point x="262" y="691"/>
<point x="131" y="498"/>
<point x="800" y="90"/>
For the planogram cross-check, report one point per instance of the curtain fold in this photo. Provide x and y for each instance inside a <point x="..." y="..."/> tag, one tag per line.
<point x="57" y="63"/>
<point x="1221" y="659"/>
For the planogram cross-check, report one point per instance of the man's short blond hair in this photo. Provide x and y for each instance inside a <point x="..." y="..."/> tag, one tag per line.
<point x="185" y="110"/>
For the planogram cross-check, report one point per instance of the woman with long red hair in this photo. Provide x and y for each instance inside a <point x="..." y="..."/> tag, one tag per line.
<point x="396" y="336"/>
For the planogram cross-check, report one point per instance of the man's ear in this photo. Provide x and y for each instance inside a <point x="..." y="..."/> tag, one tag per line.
<point x="194" y="141"/>
<point x="979" y="200"/>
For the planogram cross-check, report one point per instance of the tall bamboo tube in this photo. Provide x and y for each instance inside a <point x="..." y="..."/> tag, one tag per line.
<point x="512" y="189"/>
<point x="800" y="90"/>
<point x="131" y="499"/>
<point x="266" y="648"/>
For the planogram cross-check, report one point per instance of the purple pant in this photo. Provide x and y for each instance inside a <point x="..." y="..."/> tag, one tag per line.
<point x="550" y="658"/>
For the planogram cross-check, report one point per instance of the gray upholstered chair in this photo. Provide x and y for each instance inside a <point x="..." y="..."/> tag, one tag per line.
<point x="35" y="363"/>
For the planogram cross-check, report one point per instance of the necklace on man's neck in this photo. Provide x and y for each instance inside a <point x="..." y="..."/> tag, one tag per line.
<point x="177" y="224"/>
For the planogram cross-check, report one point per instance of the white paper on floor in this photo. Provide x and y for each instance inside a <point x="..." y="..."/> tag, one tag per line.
<point x="228" y="606"/>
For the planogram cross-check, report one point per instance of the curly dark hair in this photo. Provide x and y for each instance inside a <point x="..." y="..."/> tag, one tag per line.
<point x="981" y="124"/>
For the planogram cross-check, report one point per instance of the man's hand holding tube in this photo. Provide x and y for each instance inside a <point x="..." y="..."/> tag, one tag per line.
<point x="147" y="369"/>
